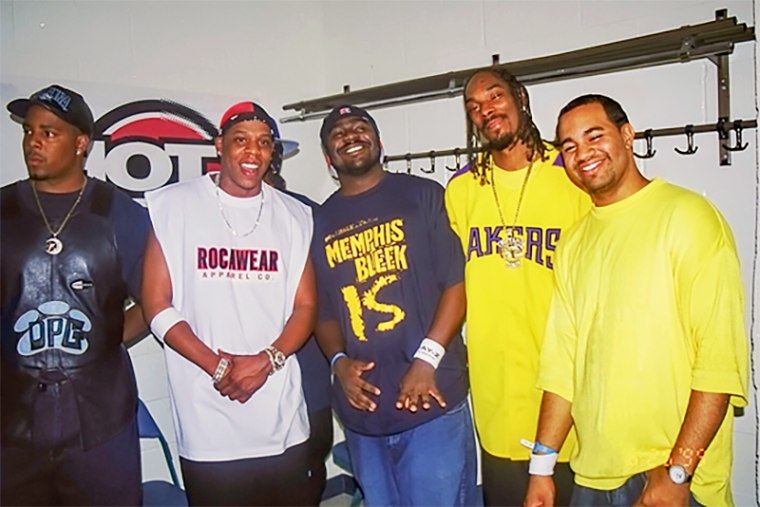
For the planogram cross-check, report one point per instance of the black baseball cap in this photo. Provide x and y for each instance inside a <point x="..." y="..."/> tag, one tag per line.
<point x="67" y="104"/>
<point x="340" y="112"/>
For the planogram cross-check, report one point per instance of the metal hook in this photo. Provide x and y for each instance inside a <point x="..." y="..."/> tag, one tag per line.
<point x="408" y="163"/>
<point x="431" y="154"/>
<point x="650" y="152"/>
<point x="738" y="146"/>
<point x="458" y="159"/>
<point x="690" y="148"/>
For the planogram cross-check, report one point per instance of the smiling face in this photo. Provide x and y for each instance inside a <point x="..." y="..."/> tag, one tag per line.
<point x="53" y="151"/>
<point x="598" y="154"/>
<point x="246" y="150"/>
<point x="353" y="147"/>
<point x="492" y="109"/>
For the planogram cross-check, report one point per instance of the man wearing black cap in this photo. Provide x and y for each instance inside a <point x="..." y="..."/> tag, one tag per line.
<point x="229" y="287"/>
<point x="390" y="273"/>
<point x="71" y="250"/>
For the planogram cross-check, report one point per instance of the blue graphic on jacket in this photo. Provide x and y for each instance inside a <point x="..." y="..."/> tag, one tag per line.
<point x="53" y="325"/>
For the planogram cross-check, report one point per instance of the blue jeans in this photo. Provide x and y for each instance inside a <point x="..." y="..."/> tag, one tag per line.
<point x="432" y="464"/>
<point x="626" y="494"/>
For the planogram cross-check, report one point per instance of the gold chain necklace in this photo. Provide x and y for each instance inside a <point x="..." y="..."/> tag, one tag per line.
<point x="224" y="217"/>
<point x="53" y="245"/>
<point x="511" y="247"/>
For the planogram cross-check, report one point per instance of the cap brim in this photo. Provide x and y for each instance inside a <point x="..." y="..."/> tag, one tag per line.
<point x="289" y="148"/>
<point x="18" y="107"/>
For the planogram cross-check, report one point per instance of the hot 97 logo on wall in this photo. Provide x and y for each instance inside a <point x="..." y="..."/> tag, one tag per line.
<point x="144" y="145"/>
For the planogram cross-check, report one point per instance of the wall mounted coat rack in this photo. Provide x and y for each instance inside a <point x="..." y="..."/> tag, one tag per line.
<point x="730" y="142"/>
<point x="713" y="40"/>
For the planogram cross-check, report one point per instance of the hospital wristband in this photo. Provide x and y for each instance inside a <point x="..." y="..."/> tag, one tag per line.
<point x="542" y="464"/>
<point x="335" y="358"/>
<point x="164" y="321"/>
<point x="538" y="447"/>
<point x="431" y="352"/>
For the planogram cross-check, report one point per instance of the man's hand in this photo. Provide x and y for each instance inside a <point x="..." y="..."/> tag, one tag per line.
<point x="660" y="490"/>
<point x="541" y="491"/>
<point x="349" y="373"/>
<point x="245" y="375"/>
<point x="417" y="387"/>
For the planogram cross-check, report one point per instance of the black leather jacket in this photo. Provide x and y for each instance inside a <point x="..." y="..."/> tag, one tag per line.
<point x="62" y="317"/>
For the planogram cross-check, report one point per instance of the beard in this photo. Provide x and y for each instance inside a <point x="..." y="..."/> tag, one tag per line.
<point x="355" y="169"/>
<point x="359" y="167"/>
<point x="505" y="140"/>
<point x="502" y="142"/>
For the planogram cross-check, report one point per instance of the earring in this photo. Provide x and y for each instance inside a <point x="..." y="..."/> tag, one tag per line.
<point x="79" y="152"/>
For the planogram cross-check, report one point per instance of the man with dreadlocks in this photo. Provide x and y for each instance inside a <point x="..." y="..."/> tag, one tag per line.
<point x="509" y="207"/>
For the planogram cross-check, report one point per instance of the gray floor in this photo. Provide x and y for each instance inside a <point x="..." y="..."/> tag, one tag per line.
<point x="342" y="500"/>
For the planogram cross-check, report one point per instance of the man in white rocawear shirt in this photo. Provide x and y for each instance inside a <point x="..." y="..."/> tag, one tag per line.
<point x="228" y="285"/>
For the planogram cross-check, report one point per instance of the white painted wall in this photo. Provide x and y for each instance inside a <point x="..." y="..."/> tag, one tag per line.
<point x="281" y="52"/>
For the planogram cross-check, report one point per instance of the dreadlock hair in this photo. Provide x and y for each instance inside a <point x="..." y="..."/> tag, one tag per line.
<point x="527" y="132"/>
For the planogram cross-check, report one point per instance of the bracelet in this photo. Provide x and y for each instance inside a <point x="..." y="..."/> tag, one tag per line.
<point x="164" y="321"/>
<point x="431" y="352"/>
<point x="335" y="358"/>
<point x="538" y="447"/>
<point x="276" y="358"/>
<point x="221" y="369"/>
<point x="542" y="464"/>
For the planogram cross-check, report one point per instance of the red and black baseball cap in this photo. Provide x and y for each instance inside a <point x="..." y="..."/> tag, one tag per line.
<point x="67" y="104"/>
<point x="243" y="111"/>
<point x="344" y="111"/>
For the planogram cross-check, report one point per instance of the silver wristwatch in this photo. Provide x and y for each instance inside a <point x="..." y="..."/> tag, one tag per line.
<point x="678" y="474"/>
<point x="276" y="358"/>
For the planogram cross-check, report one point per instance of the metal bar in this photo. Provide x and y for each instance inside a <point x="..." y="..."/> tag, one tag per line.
<point x="574" y="71"/>
<point x="721" y="127"/>
<point x="724" y="96"/>
<point x="678" y="45"/>
<point x="724" y="104"/>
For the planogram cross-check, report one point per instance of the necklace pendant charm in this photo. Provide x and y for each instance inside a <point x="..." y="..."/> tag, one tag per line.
<point x="53" y="246"/>
<point x="511" y="248"/>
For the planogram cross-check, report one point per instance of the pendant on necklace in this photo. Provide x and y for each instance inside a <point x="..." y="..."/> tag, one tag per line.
<point x="511" y="248"/>
<point x="53" y="246"/>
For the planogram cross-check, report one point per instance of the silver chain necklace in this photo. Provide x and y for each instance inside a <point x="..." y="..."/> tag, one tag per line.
<point x="224" y="217"/>
<point x="511" y="247"/>
<point x="53" y="245"/>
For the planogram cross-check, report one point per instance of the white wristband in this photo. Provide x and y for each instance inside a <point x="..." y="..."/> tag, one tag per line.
<point x="430" y="351"/>
<point x="164" y="321"/>
<point x="542" y="464"/>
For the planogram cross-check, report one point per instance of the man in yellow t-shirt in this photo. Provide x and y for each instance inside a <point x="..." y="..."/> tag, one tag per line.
<point x="645" y="348"/>
<point x="509" y="208"/>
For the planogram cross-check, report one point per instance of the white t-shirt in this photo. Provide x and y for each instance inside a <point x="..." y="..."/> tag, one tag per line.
<point x="236" y="293"/>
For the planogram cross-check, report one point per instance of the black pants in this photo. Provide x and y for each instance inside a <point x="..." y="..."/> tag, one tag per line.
<point x="320" y="444"/>
<point x="505" y="481"/>
<point x="284" y="479"/>
<point x="108" y="474"/>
